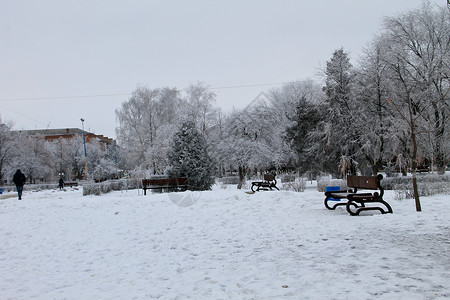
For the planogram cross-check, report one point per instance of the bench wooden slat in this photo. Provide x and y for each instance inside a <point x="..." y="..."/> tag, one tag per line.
<point x="164" y="183"/>
<point x="269" y="177"/>
<point x="363" y="182"/>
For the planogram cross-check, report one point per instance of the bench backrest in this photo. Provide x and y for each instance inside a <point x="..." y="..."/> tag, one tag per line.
<point x="269" y="177"/>
<point x="165" y="181"/>
<point x="364" y="182"/>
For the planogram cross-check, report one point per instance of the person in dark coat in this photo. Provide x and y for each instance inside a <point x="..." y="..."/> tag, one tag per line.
<point x="61" y="183"/>
<point x="19" y="181"/>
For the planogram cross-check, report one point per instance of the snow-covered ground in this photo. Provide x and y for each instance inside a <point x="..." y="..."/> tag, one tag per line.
<point x="227" y="245"/>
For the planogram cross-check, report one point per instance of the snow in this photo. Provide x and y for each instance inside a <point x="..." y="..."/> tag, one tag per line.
<point x="220" y="244"/>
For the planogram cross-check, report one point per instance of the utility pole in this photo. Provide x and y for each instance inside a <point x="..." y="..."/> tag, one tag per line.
<point x="85" y="153"/>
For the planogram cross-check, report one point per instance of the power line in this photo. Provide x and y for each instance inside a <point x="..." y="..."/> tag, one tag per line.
<point x="19" y="113"/>
<point x="63" y="97"/>
<point x="128" y="94"/>
<point x="247" y="86"/>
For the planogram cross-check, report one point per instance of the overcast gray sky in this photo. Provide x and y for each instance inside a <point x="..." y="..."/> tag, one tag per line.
<point x="68" y="48"/>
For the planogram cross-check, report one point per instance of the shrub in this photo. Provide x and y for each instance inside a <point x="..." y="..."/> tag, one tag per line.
<point x="108" y="186"/>
<point x="427" y="185"/>
<point x="287" y="178"/>
<point x="229" y="180"/>
<point x="30" y="187"/>
<point x="297" y="185"/>
<point x="326" y="181"/>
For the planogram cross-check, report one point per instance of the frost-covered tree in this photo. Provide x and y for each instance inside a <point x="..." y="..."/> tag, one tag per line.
<point x="74" y="152"/>
<point x="420" y="47"/>
<point x="32" y="156"/>
<point x="188" y="157"/>
<point x="238" y="147"/>
<point x="147" y="121"/>
<point x="7" y="149"/>
<point x="253" y="139"/>
<point x="199" y="106"/>
<point x="337" y="135"/>
<point x="100" y="165"/>
<point x="243" y="146"/>
<point x="300" y="104"/>
<point x="150" y="118"/>
<point x="305" y="119"/>
<point x="418" y="56"/>
<point x="371" y="93"/>
<point x="214" y="136"/>
<point x="63" y="151"/>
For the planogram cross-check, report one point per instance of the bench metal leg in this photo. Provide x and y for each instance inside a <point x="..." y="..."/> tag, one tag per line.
<point x="359" y="206"/>
<point x="260" y="185"/>
<point x="339" y="203"/>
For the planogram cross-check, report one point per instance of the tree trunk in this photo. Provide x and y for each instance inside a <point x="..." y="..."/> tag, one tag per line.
<point x="414" y="166"/>
<point x="439" y="122"/>
<point x="241" y="177"/>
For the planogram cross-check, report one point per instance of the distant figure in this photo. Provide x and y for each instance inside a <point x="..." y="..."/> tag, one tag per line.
<point x="19" y="181"/>
<point x="61" y="183"/>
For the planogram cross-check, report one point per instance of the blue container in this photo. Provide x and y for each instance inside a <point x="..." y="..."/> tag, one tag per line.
<point x="332" y="188"/>
<point x="1" y="191"/>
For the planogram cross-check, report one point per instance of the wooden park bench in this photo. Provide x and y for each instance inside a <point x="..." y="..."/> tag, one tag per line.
<point x="71" y="184"/>
<point x="170" y="184"/>
<point x="422" y="169"/>
<point x="354" y="201"/>
<point x="269" y="182"/>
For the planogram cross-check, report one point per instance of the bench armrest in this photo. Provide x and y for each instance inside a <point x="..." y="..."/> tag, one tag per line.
<point x="338" y="192"/>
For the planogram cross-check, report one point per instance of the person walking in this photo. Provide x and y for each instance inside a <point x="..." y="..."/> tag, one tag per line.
<point x="61" y="183"/>
<point x="19" y="181"/>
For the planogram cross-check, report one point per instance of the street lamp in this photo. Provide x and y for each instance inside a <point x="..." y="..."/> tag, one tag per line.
<point x="85" y="153"/>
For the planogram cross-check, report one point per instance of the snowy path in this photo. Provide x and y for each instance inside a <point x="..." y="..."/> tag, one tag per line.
<point x="228" y="245"/>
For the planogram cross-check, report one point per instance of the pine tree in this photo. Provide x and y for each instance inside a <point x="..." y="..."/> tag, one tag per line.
<point x="306" y="118"/>
<point x="343" y="137"/>
<point x="189" y="157"/>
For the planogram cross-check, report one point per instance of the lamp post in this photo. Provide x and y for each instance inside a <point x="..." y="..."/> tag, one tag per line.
<point x="85" y="153"/>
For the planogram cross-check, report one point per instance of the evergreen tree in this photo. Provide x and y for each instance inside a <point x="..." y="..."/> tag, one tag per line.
<point x="307" y="116"/>
<point x="339" y="133"/>
<point x="189" y="157"/>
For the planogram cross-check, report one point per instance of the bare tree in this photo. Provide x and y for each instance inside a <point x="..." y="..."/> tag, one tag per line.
<point x="418" y="57"/>
<point x="372" y="94"/>
<point x="424" y="35"/>
<point x="199" y="107"/>
<point x="147" y="121"/>
<point x="298" y="105"/>
<point x="6" y="148"/>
